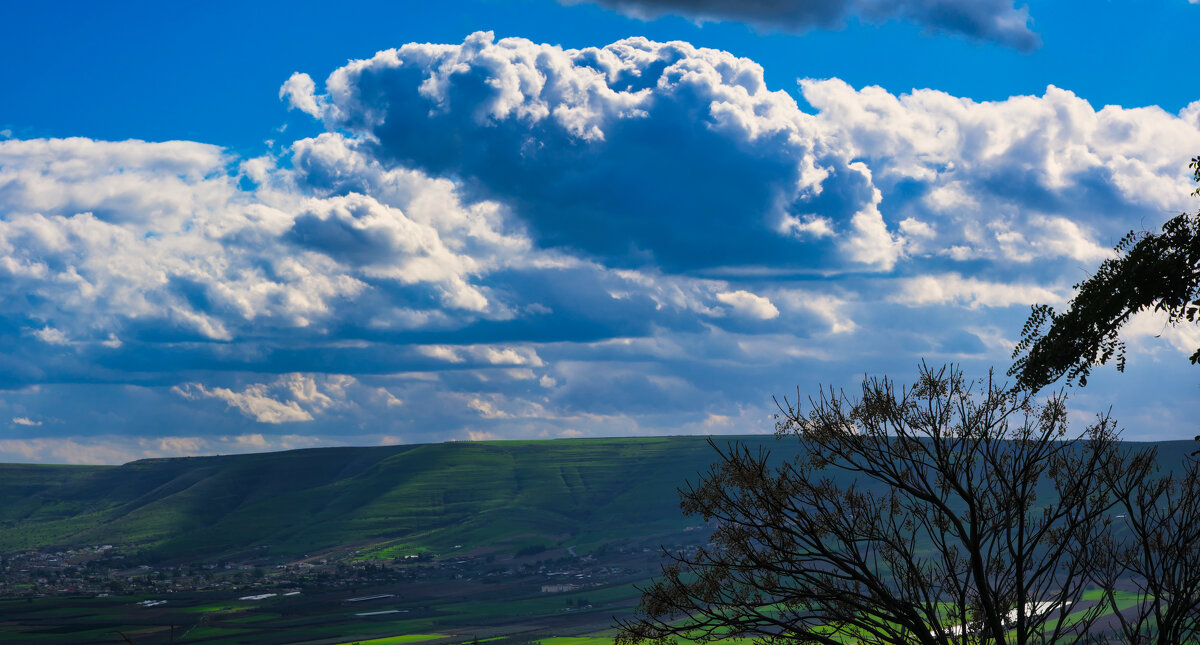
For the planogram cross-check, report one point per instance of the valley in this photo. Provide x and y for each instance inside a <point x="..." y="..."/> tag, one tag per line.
<point x="509" y="540"/>
<point x="505" y="542"/>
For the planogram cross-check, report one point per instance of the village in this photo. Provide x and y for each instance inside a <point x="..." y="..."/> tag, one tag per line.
<point x="107" y="570"/>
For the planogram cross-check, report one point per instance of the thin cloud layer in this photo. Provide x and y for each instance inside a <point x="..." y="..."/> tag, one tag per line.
<point x="997" y="21"/>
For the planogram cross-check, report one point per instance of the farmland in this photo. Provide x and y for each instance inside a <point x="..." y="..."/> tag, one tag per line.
<point x="455" y="602"/>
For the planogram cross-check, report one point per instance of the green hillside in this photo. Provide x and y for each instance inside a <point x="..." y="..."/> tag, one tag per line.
<point x="385" y="501"/>
<point x="392" y="500"/>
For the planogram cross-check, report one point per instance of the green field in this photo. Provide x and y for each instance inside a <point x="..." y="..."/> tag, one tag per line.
<point x="512" y="615"/>
<point x="397" y="640"/>
<point x="86" y="622"/>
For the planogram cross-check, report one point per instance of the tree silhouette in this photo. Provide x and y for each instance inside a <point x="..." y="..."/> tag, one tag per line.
<point x="1153" y="271"/>
<point x="951" y="511"/>
<point x="1153" y="551"/>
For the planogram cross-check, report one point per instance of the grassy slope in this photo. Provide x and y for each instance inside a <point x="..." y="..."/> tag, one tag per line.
<point x="434" y="495"/>
<point x="504" y="493"/>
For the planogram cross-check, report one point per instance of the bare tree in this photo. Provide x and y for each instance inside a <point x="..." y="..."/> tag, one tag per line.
<point x="1153" y="552"/>
<point x="951" y="511"/>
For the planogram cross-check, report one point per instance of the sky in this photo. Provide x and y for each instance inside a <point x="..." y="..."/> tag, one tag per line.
<point x="229" y="228"/>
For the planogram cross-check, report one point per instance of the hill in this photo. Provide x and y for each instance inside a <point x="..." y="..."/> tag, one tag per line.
<point x="390" y="500"/>
<point x="384" y="501"/>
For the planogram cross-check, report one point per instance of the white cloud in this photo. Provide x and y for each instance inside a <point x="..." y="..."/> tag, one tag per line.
<point x="1049" y="165"/>
<point x="441" y="352"/>
<point x="113" y="233"/>
<point x="289" y="398"/>
<point x="254" y="441"/>
<point x="509" y="356"/>
<point x="717" y="421"/>
<point x="1051" y="169"/>
<point x="384" y="243"/>
<point x="51" y="336"/>
<point x="813" y="225"/>
<point x="307" y="389"/>
<point x="118" y="449"/>
<point x="973" y="293"/>
<point x="64" y="451"/>
<point x="1060" y="237"/>
<point x="254" y="402"/>
<point x="1191" y="112"/>
<point x="1150" y="328"/>
<point x="299" y="93"/>
<point x="871" y="243"/>
<point x="831" y="311"/>
<point x="390" y="400"/>
<point x="483" y="354"/>
<point x="748" y="304"/>
<point x="25" y="421"/>
<point x="176" y="446"/>
<point x="486" y="409"/>
<point x="117" y="238"/>
<point x="547" y="119"/>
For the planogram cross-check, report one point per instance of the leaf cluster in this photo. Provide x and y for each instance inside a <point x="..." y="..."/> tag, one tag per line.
<point x="1151" y="271"/>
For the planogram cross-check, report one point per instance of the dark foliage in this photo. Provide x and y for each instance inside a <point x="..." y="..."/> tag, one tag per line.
<point x="1158" y="271"/>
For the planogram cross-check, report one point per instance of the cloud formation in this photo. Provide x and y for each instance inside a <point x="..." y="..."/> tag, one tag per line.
<point x="117" y="449"/>
<point x="997" y="21"/>
<point x="748" y="304"/>
<point x="613" y="151"/>
<point x="1029" y="178"/>
<point x="517" y="240"/>
<point x="952" y="288"/>
<point x="110" y="250"/>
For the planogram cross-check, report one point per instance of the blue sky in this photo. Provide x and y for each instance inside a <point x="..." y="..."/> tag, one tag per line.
<point x="228" y="228"/>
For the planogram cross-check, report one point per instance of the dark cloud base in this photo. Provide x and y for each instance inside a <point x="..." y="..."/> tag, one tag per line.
<point x="996" y="21"/>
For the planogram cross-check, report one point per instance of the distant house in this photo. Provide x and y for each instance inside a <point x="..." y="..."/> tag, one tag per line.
<point x="558" y="588"/>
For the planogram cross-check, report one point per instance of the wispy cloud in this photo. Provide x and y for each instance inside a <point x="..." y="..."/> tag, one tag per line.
<point x="289" y="398"/>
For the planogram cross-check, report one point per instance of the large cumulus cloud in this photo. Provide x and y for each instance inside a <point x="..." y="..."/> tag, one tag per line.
<point x="640" y="153"/>
<point x="643" y="153"/>
<point x="991" y="20"/>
